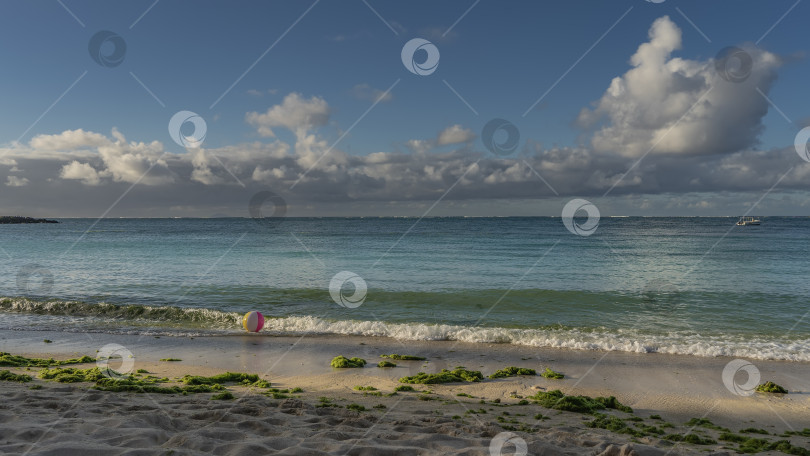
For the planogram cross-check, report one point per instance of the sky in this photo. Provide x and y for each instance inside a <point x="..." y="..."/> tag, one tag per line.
<point x="378" y="108"/>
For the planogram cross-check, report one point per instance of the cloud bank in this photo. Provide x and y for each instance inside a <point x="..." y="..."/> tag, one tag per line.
<point x="696" y="132"/>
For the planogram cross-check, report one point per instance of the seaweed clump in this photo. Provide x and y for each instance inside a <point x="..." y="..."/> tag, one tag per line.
<point x="132" y="385"/>
<point x="771" y="387"/>
<point x="615" y="424"/>
<point x="341" y="362"/>
<point x="72" y="374"/>
<point x="458" y="374"/>
<point x="548" y="373"/>
<point x="557" y="400"/>
<point x="755" y="445"/>
<point x="227" y="377"/>
<point x="7" y="359"/>
<point x="512" y="371"/>
<point x="223" y="396"/>
<point x="386" y="364"/>
<point x="404" y="357"/>
<point x="8" y="376"/>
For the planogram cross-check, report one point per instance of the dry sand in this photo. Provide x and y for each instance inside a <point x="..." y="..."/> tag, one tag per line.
<point x="75" y="419"/>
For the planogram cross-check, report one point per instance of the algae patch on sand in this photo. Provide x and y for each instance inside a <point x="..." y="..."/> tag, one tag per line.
<point x="512" y="371"/>
<point x="7" y="359"/>
<point x="556" y="400"/>
<point x="8" y="376"/>
<point x="458" y="374"/>
<point x="341" y="362"/>
<point x="227" y="377"/>
<point x="548" y="373"/>
<point x="771" y="387"/>
<point x="404" y="357"/>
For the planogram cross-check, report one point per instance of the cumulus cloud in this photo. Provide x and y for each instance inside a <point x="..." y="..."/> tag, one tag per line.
<point x="670" y="105"/>
<point x="366" y="92"/>
<point x="455" y="134"/>
<point x="80" y="171"/>
<point x="704" y="130"/>
<point x="92" y="157"/>
<point x="69" y="140"/>
<point x="295" y="113"/>
<point x="16" y="181"/>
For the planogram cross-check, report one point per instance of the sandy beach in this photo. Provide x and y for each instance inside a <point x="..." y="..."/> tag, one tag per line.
<point x="331" y="415"/>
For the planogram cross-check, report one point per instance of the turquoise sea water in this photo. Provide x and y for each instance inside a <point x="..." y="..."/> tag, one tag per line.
<point x="698" y="286"/>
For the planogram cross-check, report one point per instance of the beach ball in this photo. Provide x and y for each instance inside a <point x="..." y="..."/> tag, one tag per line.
<point x="253" y="321"/>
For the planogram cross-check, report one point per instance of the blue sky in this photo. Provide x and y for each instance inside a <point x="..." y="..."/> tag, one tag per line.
<point x="500" y="57"/>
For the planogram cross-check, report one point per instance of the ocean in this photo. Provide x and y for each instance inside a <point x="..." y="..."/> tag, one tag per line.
<point x="687" y="285"/>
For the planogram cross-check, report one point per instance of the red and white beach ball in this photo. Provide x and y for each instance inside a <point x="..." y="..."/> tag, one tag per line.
<point x="253" y="321"/>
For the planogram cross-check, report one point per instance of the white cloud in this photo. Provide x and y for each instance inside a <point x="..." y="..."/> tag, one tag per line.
<point x="15" y="181"/>
<point x="455" y="134"/>
<point x="202" y="169"/>
<point x="80" y="171"/>
<point x="295" y="113"/>
<point x="366" y="92"/>
<point x="648" y="108"/>
<point x="68" y="140"/>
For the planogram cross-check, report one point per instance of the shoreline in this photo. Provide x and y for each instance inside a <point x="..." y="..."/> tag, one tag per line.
<point x="677" y="388"/>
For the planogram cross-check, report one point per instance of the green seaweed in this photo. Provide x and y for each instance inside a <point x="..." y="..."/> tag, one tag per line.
<point x="72" y="374"/>
<point x="404" y="357"/>
<point x="386" y="364"/>
<point x="445" y="376"/>
<point x="365" y="388"/>
<point x="556" y="400"/>
<point x="771" y="387"/>
<point x="341" y="362"/>
<point x="755" y="445"/>
<point x="703" y="422"/>
<point x="548" y="373"/>
<point x="612" y="423"/>
<point x="690" y="438"/>
<point x="356" y="407"/>
<point x="7" y="359"/>
<point x="512" y="371"/>
<point x="142" y="371"/>
<point x="139" y="386"/>
<point x="171" y="359"/>
<point x="228" y="377"/>
<point x="223" y="396"/>
<point x="754" y="431"/>
<point x="47" y="341"/>
<point x="404" y="388"/>
<point x="8" y="376"/>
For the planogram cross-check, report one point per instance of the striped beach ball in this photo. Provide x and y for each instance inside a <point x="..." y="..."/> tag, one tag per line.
<point x="253" y="321"/>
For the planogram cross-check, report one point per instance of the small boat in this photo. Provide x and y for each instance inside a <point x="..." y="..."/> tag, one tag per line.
<point x="745" y="221"/>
